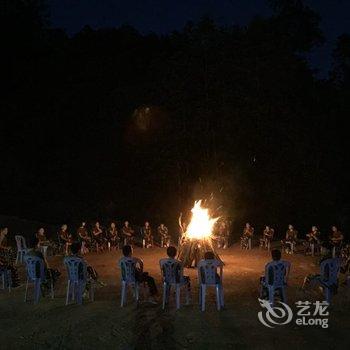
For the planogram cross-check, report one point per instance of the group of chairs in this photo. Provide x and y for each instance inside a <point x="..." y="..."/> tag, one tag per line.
<point x="328" y="278"/>
<point x="77" y="278"/>
<point x="172" y="275"/>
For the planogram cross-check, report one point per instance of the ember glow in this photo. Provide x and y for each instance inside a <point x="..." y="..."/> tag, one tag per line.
<point x="201" y="225"/>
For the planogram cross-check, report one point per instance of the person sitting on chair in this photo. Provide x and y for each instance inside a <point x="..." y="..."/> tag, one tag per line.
<point x="336" y="237"/>
<point x="147" y="235"/>
<point x="313" y="238"/>
<point x="172" y="252"/>
<point x="91" y="272"/>
<point x="84" y="237"/>
<point x="51" y="274"/>
<point x="267" y="237"/>
<point x="140" y="275"/>
<point x="127" y="233"/>
<point x="313" y="280"/>
<point x="248" y="233"/>
<point x="97" y="234"/>
<point x="209" y="255"/>
<point x="112" y="236"/>
<point x="65" y="237"/>
<point x="269" y="277"/>
<point x="163" y="233"/>
<point x="7" y="260"/>
<point x="223" y="235"/>
<point x="290" y="241"/>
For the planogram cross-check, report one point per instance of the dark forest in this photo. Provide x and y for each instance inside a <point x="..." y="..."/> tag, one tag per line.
<point x="111" y="123"/>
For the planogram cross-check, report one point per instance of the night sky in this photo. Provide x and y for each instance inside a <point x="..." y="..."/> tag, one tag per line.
<point x="164" y="16"/>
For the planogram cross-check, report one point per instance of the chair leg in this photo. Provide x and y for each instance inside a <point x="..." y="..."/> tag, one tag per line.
<point x="217" y="297"/>
<point x="68" y="292"/>
<point x="37" y="291"/>
<point x="25" y="294"/>
<point x="92" y="296"/>
<point x="222" y="296"/>
<point x="137" y="292"/>
<point x="203" y="289"/>
<point x="271" y="295"/>
<point x="178" y="296"/>
<point x="52" y="291"/>
<point x="283" y="294"/>
<point x="164" y="295"/>
<point x="328" y="295"/>
<point x="187" y="295"/>
<point x="122" y="299"/>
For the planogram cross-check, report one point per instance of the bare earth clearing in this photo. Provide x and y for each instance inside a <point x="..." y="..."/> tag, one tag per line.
<point x="104" y="325"/>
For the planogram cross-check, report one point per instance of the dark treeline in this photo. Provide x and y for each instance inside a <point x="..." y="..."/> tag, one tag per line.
<point x="112" y="123"/>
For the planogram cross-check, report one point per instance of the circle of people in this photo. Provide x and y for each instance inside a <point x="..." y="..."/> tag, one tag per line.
<point x="172" y="270"/>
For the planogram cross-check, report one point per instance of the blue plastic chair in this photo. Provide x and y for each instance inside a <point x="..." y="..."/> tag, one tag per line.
<point x="36" y="275"/>
<point x="5" y="275"/>
<point x="77" y="279"/>
<point x="280" y="271"/>
<point x="329" y="276"/>
<point x="21" y="248"/>
<point x="128" y="278"/>
<point x="172" y="273"/>
<point x="209" y="277"/>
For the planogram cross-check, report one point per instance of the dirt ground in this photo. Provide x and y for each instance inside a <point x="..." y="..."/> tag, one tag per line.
<point x="103" y="324"/>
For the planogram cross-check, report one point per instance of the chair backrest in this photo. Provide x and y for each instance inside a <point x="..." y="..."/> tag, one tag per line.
<point x="128" y="269"/>
<point x="276" y="273"/>
<point x="330" y="270"/>
<point x="76" y="268"/>
<point x="171" y="270"/>
<point x="21" y="242"/>
<point x="35" y="267"/>
<point x="207" y="271"/>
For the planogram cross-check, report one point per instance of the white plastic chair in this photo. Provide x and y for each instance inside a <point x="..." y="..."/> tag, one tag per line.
<point x="208" y="277"/>
<point x="280" y="271"/>
<point x="172" y="273"/>
<point x="128" y="278"/>
<point x="77" y="279"/>
<point x="21" y="248"/>
<point x="5" y="275"/>
<point x="329" y="276"/>
<point x="36" y="275"/>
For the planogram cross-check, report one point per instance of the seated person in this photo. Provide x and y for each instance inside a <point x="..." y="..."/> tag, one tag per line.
<point x="290" y="240"/>
<point x="127" y="233"/>
<point x="267" y="237"/>
<point x="172" y="252"/>
<point x="51" y="275"/>
<point x="7" y="260"/>
<point x="65" y="237"/>
<point x="140" y="275"/>
<point x="147" y="235"/>
<point x="268" y="277"/>
<point x="210" y="256"/>
<point x="84" y="237"/>
<point x="248" y="233"/>
<point x="336" y="237"/>
<point x="313" y="280"/>
<point x="223" y="235"/>
<point x="91" y="272"/>
<point x="313" y="238"/>
<point x="112" y="236"/>
<point x="98" y="236"/>
<point x="163" y="233"/>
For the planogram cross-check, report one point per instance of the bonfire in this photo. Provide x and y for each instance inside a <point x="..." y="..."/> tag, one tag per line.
<point x="198" y="237"/>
